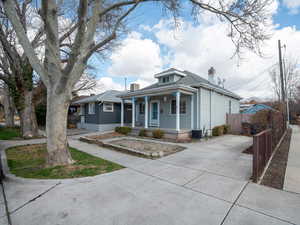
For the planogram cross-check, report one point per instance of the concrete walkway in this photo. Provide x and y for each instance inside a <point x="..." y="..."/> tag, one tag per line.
<point x="196" y="186"/>
<point x="292" y="175"/>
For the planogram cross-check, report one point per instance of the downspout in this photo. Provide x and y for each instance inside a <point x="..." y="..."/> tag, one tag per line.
<point x="210" y="111"/>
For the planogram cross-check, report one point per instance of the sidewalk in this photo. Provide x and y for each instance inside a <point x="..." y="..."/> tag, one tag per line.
<point x="292" y="175"/>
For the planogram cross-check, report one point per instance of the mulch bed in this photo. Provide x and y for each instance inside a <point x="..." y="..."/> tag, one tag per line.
<point x="274" y="176"/>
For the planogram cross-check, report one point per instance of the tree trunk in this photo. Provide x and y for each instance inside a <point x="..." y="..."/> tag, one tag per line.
<point x="9" y="109"/>
<point x="28" y="121"/>
<point x="56" y="128"/>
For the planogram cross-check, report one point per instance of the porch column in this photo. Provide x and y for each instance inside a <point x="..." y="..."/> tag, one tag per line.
<point x="177" y="110"/>
<point x="197" y="109"/>
<point x="122" y="113"/>
<point x="133" y="112"/>
<point x="192" y="111"/>
<point x="146" y="112"/>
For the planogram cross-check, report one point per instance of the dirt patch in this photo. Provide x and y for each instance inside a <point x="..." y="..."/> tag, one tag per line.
<point x="274" y="176"/>
<point x="105" y="136"/>
<point x="148" y="146"/>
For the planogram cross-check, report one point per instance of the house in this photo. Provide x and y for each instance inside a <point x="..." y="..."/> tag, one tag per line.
<point x="74" y="111"/>
<point x="181" y="101"/>
<point x="256" y="108"/>
<point x="103" y="112"/>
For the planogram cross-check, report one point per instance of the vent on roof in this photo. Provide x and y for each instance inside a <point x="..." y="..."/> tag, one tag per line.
<point x="134" y="87"/>
<point x="211" y="75"/>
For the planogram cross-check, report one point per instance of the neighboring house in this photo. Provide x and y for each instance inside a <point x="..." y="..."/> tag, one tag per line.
<point x="74" y="111"/>
<point x="256" y="108"/>
<point x="244" y="107"/>
<point x="103" y="112"/>
<point x="181" y="101"/>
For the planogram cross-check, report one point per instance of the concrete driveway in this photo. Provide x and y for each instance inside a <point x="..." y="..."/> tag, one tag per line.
<point x="205" y="184"/>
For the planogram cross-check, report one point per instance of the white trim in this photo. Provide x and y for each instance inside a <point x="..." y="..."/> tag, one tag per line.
<point x="160" y="91"/>
<point x="108" y="110"/>
<point x="122" y="113"/>
<point x="146" y="112"/>
<point x="92" y="108"/>
<point x="171" y="72"/>
<point x="197" y="109"/>
<point x="182" y="100"/>
<point x="177" y="110"/>
<point x="158" y="112"/>
<point x="133" y="112"/>
<point x="192" y="112"/>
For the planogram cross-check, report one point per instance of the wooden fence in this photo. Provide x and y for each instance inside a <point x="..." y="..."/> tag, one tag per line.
<point x="236" y="120"/>
<point x="265" y="143"/>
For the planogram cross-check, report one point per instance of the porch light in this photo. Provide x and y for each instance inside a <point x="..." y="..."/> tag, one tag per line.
<point x="165" y="98"/>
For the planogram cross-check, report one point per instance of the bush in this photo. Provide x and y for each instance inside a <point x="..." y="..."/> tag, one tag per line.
<point x="143" y="133"/>
<point x="218" y="131"/>
<point x="123" y="130"/>
<point x="226" y="129"/>
<point x="158" y="133"/>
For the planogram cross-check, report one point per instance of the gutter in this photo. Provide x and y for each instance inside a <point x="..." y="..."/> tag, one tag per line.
<point x="219" y="90"/>
<point x="159" y="89"/>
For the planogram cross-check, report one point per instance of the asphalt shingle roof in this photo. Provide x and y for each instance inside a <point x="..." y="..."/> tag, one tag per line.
<point x="107" y="96"/>
<point x="192" y="80"/>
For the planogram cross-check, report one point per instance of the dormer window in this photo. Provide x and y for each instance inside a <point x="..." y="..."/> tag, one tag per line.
<point x="166" y="79"/>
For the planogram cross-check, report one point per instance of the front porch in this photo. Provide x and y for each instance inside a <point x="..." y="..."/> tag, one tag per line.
<point x="171" y="110"/>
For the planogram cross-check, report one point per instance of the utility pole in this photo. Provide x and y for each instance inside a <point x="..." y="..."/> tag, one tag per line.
<point x="281" y="72"/>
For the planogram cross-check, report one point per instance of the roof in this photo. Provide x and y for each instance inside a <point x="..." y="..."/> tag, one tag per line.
<point x="107" y="96"/>
<point x="190" y="80"/>
<point x="256" y="108"/>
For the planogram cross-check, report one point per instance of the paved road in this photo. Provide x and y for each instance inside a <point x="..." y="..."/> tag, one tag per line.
<point x="292" y="175"/>
<point x="205" y="184"/>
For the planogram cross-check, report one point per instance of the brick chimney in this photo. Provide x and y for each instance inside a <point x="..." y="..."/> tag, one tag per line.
<point x="134" y="87"/>
<point x="211" y="75"/>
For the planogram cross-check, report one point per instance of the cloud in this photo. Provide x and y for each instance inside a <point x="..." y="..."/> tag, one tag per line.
<point x="292" y="5"/>
<point x="137" y="57"/>
<point x="197" y="48"/>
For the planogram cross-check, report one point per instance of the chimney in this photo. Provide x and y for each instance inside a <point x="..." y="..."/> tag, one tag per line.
<point x="211" y="75"/>
<point x="134" y="87"/>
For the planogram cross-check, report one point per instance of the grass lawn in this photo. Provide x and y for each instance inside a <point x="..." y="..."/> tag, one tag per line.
<point x="29" y="161"/>
<point x="9" y="133"/>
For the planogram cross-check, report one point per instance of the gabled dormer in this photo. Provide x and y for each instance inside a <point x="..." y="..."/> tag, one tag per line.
<point x="169" y="76"/>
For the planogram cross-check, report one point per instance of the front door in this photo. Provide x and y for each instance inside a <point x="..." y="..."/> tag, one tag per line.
<point x="154" y="113"/>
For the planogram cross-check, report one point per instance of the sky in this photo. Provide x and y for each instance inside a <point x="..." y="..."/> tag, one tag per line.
<point x="153" y="44"/>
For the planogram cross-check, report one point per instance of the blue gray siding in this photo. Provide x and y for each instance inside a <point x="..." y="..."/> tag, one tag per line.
<point x="101" y="117"/>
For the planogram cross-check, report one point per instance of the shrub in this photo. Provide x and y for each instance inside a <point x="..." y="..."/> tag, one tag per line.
<point x="123" y="130"/>
<point x="158" y="133"/>
<point x="218" y="131"/>
<point x="226" y="129"/>
<point x="143" y="133"/>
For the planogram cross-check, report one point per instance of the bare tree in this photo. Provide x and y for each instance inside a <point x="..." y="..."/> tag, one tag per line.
<point x="291" y="81"/>
<point x="8" y="105"/>
<point x="15" y="69"/>
<point x="94" y="26"/>
<point x="86" y="83"/>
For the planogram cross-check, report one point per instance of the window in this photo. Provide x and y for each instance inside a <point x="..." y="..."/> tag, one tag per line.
<point x="182" y="107"/>
<point x="81" y="112"/>
<point x="165" y="79"/>
<point x="92" y="108"/>
<point x="142" y="108"/>
<point x="229" y="107"/>
<point x="108" y="107"/>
